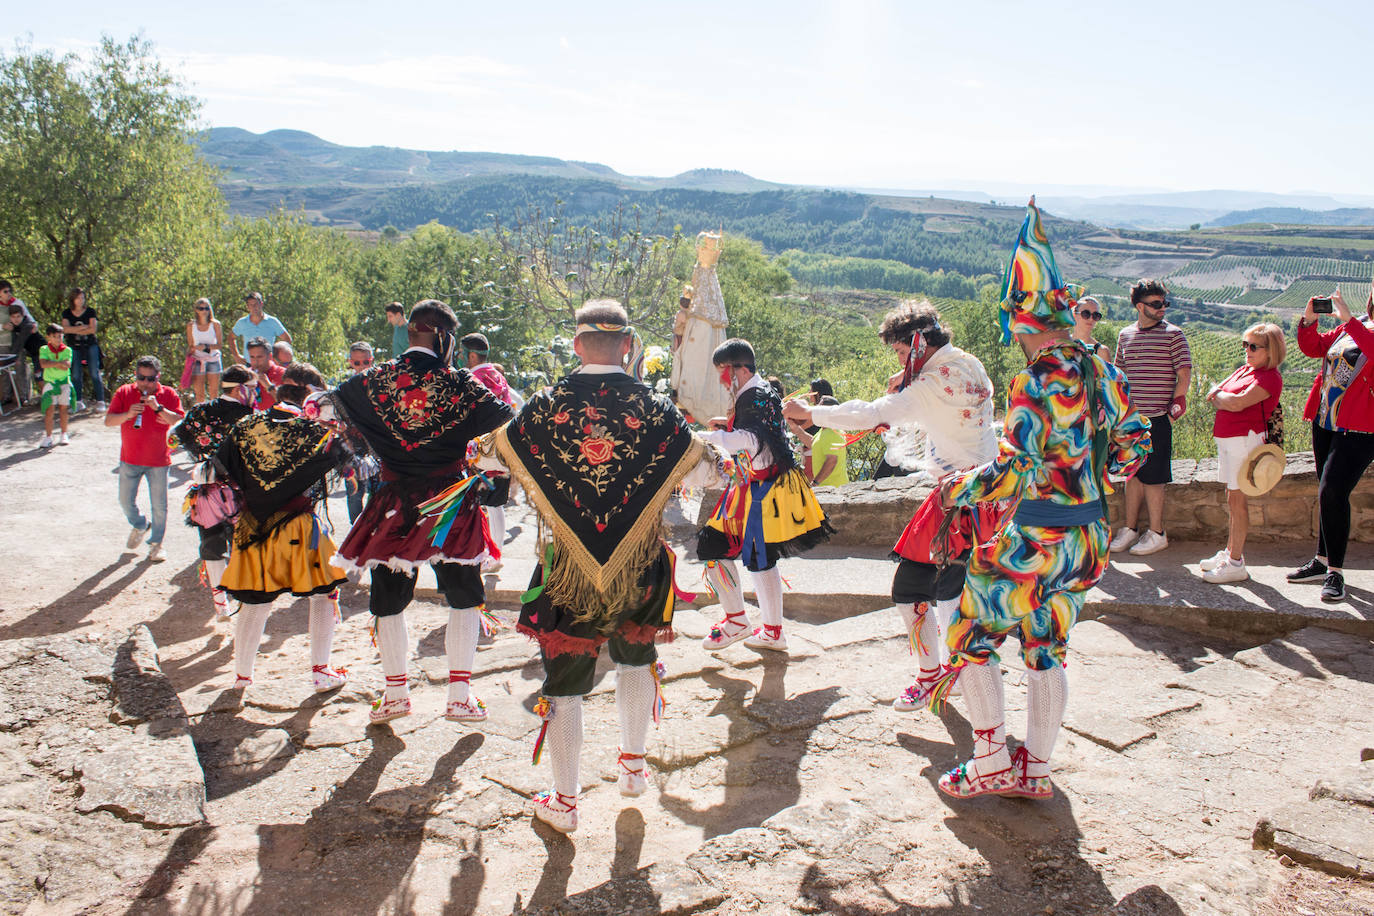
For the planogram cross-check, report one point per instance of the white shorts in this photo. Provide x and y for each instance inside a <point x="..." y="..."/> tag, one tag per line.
<point x="1231" y="453"/>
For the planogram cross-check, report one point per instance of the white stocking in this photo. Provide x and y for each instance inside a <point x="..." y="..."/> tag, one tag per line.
<point x="214" y="572"/>
<point x="393" y="644"/>
<point x="724" y="578"/>
<point x="946" y="610"/>
<point x="922" y="640"/>
<point x="634" y="700"/>
<point x="460" y="642"/>
<point x="496" y="520"/>
<point x="1047" y="693"/>
<point x="563" y="741"/>
<point x="321" y="629"/>
<point x="252" y="623"/>
<point x="768" y="587"/>
<point x="982" y="686"/>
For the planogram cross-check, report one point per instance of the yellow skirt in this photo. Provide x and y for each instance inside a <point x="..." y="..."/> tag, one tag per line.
<point x="284" y="562"/>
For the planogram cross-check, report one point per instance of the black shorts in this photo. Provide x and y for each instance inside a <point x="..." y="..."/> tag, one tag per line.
<point x="214" y="541"/>
<point x="392" y="591"/>
<point x="575" y="675"/>
<point x="916" y="582"/>
<point x="1158" y="468"/>
<point x="499" y="494"/>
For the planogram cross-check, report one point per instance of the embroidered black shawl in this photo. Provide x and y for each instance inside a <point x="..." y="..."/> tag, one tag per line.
<point x="276" y="457"/>
<point x="418" y="414"/>
<point x="599" y="455"/>
<point x="207" y="424"/>
<point x="759" y="411"/>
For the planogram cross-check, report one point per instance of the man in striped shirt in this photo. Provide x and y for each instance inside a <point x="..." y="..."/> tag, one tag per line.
<point x="1154" y="355"/>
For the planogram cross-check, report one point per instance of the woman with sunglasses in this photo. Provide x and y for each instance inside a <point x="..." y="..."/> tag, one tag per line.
<point x="204" y="337"/>
<point x="1244" y="402"/>
<point x="1341" y="408"/>
<point x="1085" y="319"/>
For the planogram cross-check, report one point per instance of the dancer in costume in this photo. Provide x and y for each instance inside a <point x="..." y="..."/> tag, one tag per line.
<point x="278" y="459"/>
<point x="945" y="392"/>
<point x="768" y="511"/>
<point x="473" y="350"/>
<point x="599" y="453"/>
<point x="1069" y="422"/>
<point x="418" y="413"/>
<point x="201" y="433"/>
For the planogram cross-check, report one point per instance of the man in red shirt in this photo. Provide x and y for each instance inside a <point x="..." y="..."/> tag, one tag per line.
<point x="144" y="410"/>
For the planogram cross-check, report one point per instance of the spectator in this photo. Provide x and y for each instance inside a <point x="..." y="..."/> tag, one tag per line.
<point x="1244" y="402"/>
<point x="820" y="388"/>
<point x="828" y="450"/>
<point x="1154" y="355"/>
<point x="474" y="350"/>
<point x="27" y="339"/>
<point x="79" y="323"/>
<point x="396" y="317"/>
<point x="56" y="360"/>
<point x="365" y="480"/>
<point x="144" y="410"/>
<point x="261" y="362"/>
<point x="256" y="324"/>
<point x="776" y="384"/>
<point x="360" y="356"/>
<point x="282" y="354"/>
<point x="1341" y="408"/>
<point x="205" y="337"/>
<point x="1085" y="319"/>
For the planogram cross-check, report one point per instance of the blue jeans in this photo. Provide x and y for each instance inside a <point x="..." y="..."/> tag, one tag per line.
<point x="129" y="475"/>
<point x="91" y="357"/>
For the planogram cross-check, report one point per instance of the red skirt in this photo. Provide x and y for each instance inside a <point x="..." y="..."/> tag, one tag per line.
<point x="969" y="526"/>
<point x="391" y="532"/>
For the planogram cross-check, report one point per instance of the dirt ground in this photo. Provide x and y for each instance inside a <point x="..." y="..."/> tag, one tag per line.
<point x="783" y="785"/>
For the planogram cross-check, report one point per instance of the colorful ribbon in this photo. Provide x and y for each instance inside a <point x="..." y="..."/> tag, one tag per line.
<point x="544" y="710"/>
<point x="445" y="505"/>
<point x="660" y="704"/>
<point x="538" y="590"/>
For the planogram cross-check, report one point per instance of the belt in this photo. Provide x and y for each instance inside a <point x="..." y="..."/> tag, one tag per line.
<point x="1044" y="513"/>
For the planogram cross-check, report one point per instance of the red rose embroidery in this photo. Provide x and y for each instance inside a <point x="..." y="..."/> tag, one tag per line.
<point x="662" y="447"/>
<point x="534" y="449"/>
<point x="404" y="380"/>
<point x="597" y="451"/>
<point x="203" y="439"/>
<point x="562" y="417"/>
<point x="634" y="422"/>
<point x="415" y="399"/>
<point x="592" y="413"/>
<point x="381" y="397"/>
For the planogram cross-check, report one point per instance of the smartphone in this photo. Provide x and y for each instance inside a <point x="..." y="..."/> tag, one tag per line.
<point x="1321" y="305"/>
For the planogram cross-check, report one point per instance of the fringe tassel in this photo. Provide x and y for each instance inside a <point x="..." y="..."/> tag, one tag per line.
<point x="544" y="710"/>
<point x="917" y="645"/>
<point x="660" y="704"/>
<point x="706" y="581"/>
<point x="490" y="622"/>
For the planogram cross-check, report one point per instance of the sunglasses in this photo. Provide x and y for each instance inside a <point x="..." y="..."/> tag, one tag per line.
<point x="202" y="308"/>
<point x="1094" y="316"/>
<point x="146" y="378"/>
<point x="359" y="362"/>
<point x="1252" y="347"/>
<point x="1162" y="304"/>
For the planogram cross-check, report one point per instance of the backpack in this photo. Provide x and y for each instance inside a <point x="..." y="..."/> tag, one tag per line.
<point x="214" y="504"/>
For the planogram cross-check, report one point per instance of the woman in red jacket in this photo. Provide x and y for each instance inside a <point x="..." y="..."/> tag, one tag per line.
<point x="1341" y="408"/>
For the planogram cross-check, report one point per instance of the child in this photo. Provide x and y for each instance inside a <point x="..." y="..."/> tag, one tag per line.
<point x="56" y="360"/>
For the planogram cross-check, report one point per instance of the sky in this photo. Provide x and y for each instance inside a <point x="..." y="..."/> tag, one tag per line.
<point x="986" y="95"/>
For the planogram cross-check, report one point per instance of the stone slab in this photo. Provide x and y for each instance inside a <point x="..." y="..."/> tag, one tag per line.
<point x="156" y="781"/>
<point x="1225" y="677"/>
<point x="1113" y="732"/>
<point x="1333" y="836"/>
<point x="1355" y="786"/>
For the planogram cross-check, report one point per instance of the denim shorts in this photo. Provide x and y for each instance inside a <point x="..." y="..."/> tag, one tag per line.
<point x="213" y="367"/>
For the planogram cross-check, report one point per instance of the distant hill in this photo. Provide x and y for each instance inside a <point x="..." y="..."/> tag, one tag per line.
<point x="294" y="158"/>
<point x="1345" y="216"/>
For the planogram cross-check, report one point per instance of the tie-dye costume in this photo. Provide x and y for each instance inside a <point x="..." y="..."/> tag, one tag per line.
<point x="1033" y="577"/>
<point x="1069" y="422"/>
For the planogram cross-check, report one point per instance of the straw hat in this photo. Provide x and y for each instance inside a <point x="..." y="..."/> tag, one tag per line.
<point x="1261" y="470"/>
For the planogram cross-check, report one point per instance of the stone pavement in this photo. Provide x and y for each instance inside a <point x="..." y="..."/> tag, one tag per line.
<point x="782" y="785"/>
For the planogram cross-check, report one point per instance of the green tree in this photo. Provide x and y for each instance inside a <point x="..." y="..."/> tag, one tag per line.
<point x="100" y="187"/>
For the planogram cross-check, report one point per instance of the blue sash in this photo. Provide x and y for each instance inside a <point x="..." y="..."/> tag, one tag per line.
<point x="1044" y="513"/>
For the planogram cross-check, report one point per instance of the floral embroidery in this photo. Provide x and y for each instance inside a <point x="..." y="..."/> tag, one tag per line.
<point x="418" y="408"/>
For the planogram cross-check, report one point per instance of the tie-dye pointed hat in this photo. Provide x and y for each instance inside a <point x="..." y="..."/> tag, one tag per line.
<point x="1034" y="298"/>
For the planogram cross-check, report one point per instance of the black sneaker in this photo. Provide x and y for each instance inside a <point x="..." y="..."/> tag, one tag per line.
<point x="1334" y="589"/>
<point x="1313" y="570"/>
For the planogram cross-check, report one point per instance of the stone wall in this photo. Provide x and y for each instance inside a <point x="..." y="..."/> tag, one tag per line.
<point x="873" y="513"/>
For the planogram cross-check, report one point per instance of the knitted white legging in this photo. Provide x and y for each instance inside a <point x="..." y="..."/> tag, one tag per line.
<point x="563" y="743"/>
<point x="927" y="654"/>
<point x="252" y="623"/>
<point x="460" y="642"/>
<point x="982" y="687"/>
<point x="945" y="611"/>
<point x="768" y="588"/>
<point x="214" y="571"/>
<point x="634" y="701"/>
<point x="496" y="520"/>
<point x="1047" y="694"/>
<point x="724" y="578"/>
<point x="393" y="645"/>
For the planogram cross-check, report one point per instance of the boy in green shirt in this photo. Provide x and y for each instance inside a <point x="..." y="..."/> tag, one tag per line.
<point x="829" y="460"/>
<point x="56" y="361"/>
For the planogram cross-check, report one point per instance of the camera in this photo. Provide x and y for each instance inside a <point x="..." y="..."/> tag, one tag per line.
<point x="1321" y="305"/>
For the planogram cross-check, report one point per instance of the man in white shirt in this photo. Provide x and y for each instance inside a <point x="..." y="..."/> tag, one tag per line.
<point x="945" y="392"/>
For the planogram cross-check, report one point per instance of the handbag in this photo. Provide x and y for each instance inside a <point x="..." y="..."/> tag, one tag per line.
<point x="215" y="503"/>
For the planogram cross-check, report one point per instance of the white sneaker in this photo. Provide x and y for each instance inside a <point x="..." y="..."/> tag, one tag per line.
<point x="633" y="783"/>
<point x="1149" y="543"/>
<point x="46" y="442"/>
<point x="326" y="678"/>
<point x="63" y="440"/>
<point x="555" y="809"/>
<point x="759" y="639"/>
<point x="155" y="553"/>
<point x="101" y="406"/>
<point x="135" y="538"/>
<point x="1124" y="538"/>
<point x="1216" y="560"/>
<point x="80" y="406"/>
<point x="1227" y="572"/>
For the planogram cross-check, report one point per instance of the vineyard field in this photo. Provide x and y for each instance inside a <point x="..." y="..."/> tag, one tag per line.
<point x="1256" y="297"/>
<point x="1296" y="296"/>
<point x="1301" y="241"/>
<point x="1287" y="267"/>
